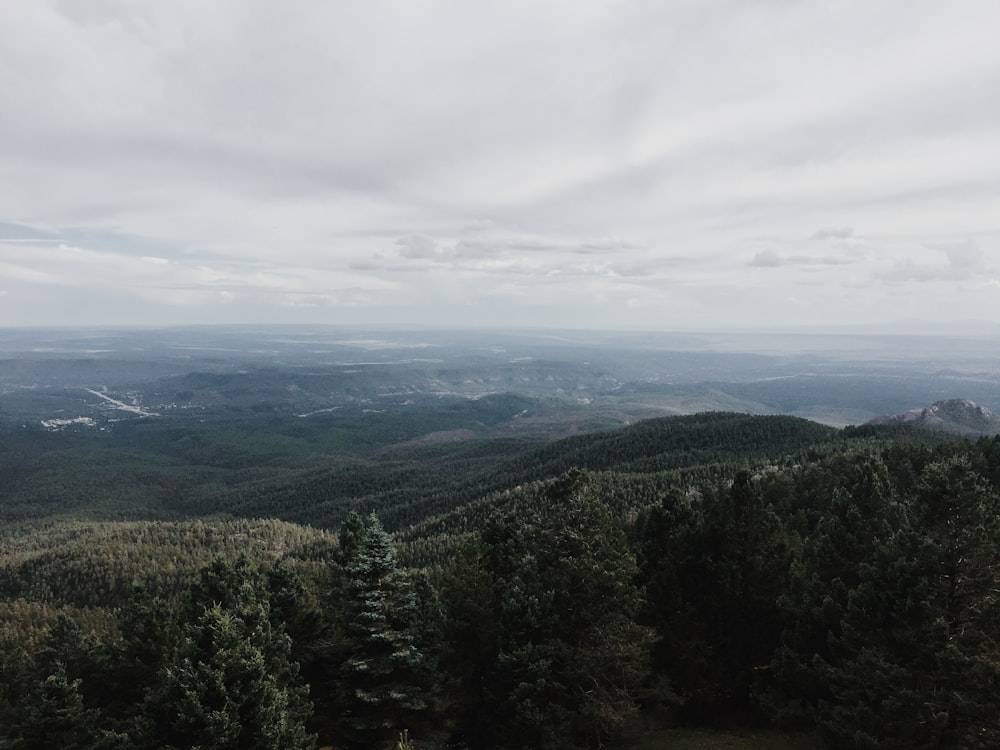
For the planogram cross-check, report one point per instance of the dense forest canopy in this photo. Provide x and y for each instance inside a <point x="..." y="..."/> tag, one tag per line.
<point x="703" y="570"/>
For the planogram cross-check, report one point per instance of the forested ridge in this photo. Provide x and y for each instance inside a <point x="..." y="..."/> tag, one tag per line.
<point x="221" y="590"/>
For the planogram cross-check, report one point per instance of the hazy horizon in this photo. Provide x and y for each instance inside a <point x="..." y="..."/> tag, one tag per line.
<point x="962" y="329"/>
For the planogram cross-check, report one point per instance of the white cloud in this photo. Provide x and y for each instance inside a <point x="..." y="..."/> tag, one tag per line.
<point x="767" y="259"/>
<point x="416" y="246"/>
<point x="964" y="257"/>
<point x="260" y="160"/>
<point x="962" y="260"/>
<point x="771" y="259"/>
<point x="833" y="233"/>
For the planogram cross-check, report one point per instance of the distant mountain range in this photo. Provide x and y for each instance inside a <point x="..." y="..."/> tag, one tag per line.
<point x="957" y="416"/>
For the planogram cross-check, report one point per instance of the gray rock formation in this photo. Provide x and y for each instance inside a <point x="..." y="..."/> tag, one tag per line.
<point x="957" y="416"/>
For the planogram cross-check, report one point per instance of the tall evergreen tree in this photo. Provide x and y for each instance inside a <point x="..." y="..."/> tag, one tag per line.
<point x="858" y="514"/>
<point x="53" y="715"/>
<point x="384" y="673"/>
<point x="146" y="643"/>
<point x="295" y="611"/>
<point x="570" y="654"/>
<point x="351" y="537"/>
<point x="917" y="665"/>
<point x="666" y="542"/>
<point x="729" y="560"/>
<point x="232" y="684"/>
<point x="64" y="693"/>
<point x="470" y="641"/>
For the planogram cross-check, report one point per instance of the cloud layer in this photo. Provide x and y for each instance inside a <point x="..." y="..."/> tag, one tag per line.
<point x="615" y="164"/>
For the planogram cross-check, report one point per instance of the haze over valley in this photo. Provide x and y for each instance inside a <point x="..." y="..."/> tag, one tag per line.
<point x="556" y="382"/>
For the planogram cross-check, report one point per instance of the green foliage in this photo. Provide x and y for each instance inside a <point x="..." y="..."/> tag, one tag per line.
<point x="716" y="565"/>
<point x="917" y="661"/>
<point x="569" y="653"/>
<point x="711" y="566"/>
<point x="99" y="564"/>
<point x="53" y="714"/>
<point x="384" y="672"/>
<point x="890" y="637"/>
<point x="853" y="512"/>
<point x="470" y="638"/>
<point x="232" y="683"/>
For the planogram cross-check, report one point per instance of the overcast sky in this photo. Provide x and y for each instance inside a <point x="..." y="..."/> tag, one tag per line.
<point x="754" y="164"/>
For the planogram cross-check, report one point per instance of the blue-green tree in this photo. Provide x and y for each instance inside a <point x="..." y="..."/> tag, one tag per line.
<point x="384" y="673"/>
<point x="857" y="513"/>
<point x="916" y="664"/>
<point x="232" y="683"/>
<point x="570" y="655"/>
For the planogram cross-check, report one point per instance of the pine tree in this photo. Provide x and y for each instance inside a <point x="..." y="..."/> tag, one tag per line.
<point x="351" y="537"/>
<point x="666" y="543"/>
<point x="859" y="514"/>
<point x="571" y="655"/>
<point x="384" y="673"/>
<point x="53" y="715"/>
<point x="232" y="683"/>
<point x="470" y="641"/>
<point x="917" y="664"/>
<point x="66" y="692"/>
<point x="220" y="692"/>
<point x="294" y="611"/>
<point x="715" y="582"/>
<point x="146" y="643"/>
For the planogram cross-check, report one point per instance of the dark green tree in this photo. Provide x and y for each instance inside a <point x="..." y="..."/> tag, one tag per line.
<point x="384" y="674"/>
<point x="470" y="641"/>
<point x="53" y="715"/>
<point x="857" y="514"/>
<point x="65" y="692"/>
<point x="666" y="542"/>
<point x="717" y="571"/>
<point x="220" y="692"/>
<point x="146" y="642"/>
<point x="232" y="683"/>
<point x="570" y="655"/>
<point x="295" y="611"/>
<point x="351" y="537"/>
<point x="917" y="664"/>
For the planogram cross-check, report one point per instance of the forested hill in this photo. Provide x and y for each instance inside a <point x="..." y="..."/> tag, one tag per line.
<point x="264" y="468"/>
<point x="234" y="587"/>
<point x="671" y="443"/>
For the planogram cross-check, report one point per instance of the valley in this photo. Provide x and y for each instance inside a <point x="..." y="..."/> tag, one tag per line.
<point x="569" y="381"/>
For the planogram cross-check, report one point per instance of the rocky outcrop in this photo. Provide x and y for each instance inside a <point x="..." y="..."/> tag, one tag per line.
<point x="957" y="416"/>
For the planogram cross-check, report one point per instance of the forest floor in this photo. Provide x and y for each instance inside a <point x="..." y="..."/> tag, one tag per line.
<point x="704" y="739"/>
